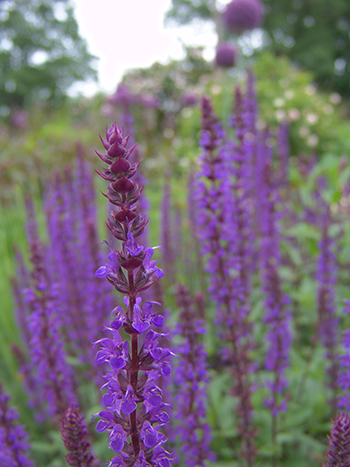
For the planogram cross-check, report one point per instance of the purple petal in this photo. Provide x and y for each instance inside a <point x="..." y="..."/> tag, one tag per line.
<point x="117" y="363"/>
<point x="101" y="272"/>
<point x="141" y="327"/>
<point x="101" y="426"/>
<point x="158" y="321"/>
<point x="128" y="407"/>
<point x="117" y="444"/>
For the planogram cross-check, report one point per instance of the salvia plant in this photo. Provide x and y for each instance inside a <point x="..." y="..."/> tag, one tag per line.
<point x="190" y="385"/>
<point x="235" y="396"/>
<point x="13" y="438"/>
<point x="134" y="408"/>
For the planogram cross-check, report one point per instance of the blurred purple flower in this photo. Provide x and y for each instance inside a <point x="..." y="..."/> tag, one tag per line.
<point x="188" y="99"/>
<point x="242" y="15"/>
<point x="191" y="398"/>
<point x="225" y="55"/>
<point x="13" y="437"/>
<point x="19" y="119"/>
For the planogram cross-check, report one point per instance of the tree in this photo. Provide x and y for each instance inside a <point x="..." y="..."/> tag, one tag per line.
<point x="41" y="52"/>
<point x="313" y="33"/>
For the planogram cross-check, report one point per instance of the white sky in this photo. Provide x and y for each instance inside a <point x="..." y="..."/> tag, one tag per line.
<point x="127" y="34"/>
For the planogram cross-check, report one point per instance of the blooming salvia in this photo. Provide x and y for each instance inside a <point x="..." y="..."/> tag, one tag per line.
<point x="326" y="309"/>
<point x="217" y="228"/>
<point x="191" y="399"/>
<point x="338" y="452"/>
<point x="74" y="435"/>
<point x="72" y="255"/>
<point x="135" y="411"/>
<point x="51" y="376"/>
<point x="13" y="438"/>
<point x="277" y="316"/>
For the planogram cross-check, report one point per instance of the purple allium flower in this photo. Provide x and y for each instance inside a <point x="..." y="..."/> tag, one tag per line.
<point x="217" y="227"/>
<point x="74" y="435"/>
<point x="134" y="409"/>
<point x="277" y="317"/>
<point x="13" y="438"/>
<point x="327" y="321"/>
<point x="242" y="15"/>
<point x="338" y="453"/>
<point x="225" y="55"/>
<point x="191" y="399"/>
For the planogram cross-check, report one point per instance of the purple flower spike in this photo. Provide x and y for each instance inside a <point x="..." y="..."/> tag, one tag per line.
<point x="13" y="438"/>
<point x="134" y="404"/>
<point x="74" y="435"/>
<point x="225" y="236"/>
<point x="328" y="322"/>
<point x="191" y="383"/>
<point x="278" y="316"/>
<point x="338" y="453"/>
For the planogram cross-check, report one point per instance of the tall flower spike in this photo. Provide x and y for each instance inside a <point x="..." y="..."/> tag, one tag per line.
<point x="217" y="229"/>
<point x="48" y="356"/>
<point x="13" y="438"/>
<point x="326" y="277"/>
<point x="74" y="435"/>
<point x="277" y="317"/>
<point x="191" y="399"/>
<point x="338" y="453"/>
<point x="135" y="411"/>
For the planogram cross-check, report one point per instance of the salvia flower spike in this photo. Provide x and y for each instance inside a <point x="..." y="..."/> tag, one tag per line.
<point x="13" y="437"/>
<point x="191" y="399"/>
<point x="134" y="411"/>
<point x="338" y="453"/>
<point x="74" y="435"/>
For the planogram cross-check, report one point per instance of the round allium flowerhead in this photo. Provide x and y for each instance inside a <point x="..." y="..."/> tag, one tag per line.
<point x="225" y="55"/>
<point x="242" y="15"/>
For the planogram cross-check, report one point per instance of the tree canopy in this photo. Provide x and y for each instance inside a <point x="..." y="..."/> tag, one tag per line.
<point x="41" y="51"/>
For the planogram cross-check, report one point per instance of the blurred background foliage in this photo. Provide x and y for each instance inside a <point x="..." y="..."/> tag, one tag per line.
<point x="314" y="34"/>
<point x="41" y="53"/>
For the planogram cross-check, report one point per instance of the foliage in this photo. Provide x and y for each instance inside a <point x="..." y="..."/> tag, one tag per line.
<point x="41" y="52"/>
<point x="185" y="11"/>
<point x="314" y="34"/>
